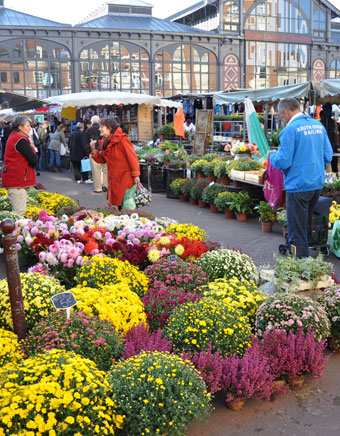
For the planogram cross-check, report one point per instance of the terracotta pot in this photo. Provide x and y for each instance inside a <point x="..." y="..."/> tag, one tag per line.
<point x="225" y="180"/>
<point x="296" y="383"/>
<point x="193" y="201"/>
<point x="237" y="184"/>
<point x="213" y="208"/>
<point x="279" y="387"/>
<point x="284" y="231"/>
<point x="236" y="405"/>
<point x="183" y="198"/>
<point x="202" y="204"/>
<point x="267" y="227"/>
<point x="229" y="214"/>
<point x="242" y="217"/>
<point x="212" y="178"/>
<point x="161" y="137"/>
<point x="200" y="176"/>
<point x="334" y="344"/>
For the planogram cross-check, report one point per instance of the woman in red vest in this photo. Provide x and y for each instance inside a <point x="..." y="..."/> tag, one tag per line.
<point x="20" y="160"/>
<point x="117" y="151"/>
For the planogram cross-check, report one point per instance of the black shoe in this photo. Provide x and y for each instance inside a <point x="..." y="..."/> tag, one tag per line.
<point x="52" y="169"/>
<point x="38" y="173"/>
<point x="104" y="189"/>
<point x="60" y="170"/>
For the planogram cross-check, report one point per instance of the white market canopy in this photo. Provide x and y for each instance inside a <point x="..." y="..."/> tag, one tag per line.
<point x="81" y="99"/>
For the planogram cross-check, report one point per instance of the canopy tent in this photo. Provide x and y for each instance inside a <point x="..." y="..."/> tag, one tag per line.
<point x="19" y="102"/>
<point x="327" y="91"/>
<point x="264" y="95"/>
<point x="81" y="99"/>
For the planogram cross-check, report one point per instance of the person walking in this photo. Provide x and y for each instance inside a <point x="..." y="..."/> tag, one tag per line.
<point x="303" y="153"/>
<point x="117" y="151"/>
<point x="55" y="148"/>
<point x="35" y="141"/>
<point x="331" y="127"/>
<point x="77" y="153"/>
<point x="99" y="170"/>
<point x="44" y="137"/>
<point x="20" y="160"/>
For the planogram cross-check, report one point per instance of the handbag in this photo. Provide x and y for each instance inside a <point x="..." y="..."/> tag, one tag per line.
<point x="85" y="165"/>
<point x="143" y="197"/>
<point x="36" y="139"/>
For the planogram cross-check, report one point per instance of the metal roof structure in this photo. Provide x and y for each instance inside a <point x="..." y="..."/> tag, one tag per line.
<point x="10" y="17"/>
<point x="140" y="22"/>
<point x="19" y="102"/>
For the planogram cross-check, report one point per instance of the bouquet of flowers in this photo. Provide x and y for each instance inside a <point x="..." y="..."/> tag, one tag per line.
<point x="239" y="147"/>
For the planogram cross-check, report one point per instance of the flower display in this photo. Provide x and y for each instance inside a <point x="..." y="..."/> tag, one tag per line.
<point x="115" y="303"/>
<point x="330" y="299"/>
<point x="239" y="147"/>
<point x="211" y="192"/>
<point x="193" y="326"/>
<point x="291" y="312"/>
<point x="10" y="350"/>
<point x="139" y="338"/>
<point x="161" y="300"/>
<point x="56" y="393"/>
<point x="167" y="394"/>
<point x="188" y="230"/>
<point x="185" y="248"/>
<point x="89" y="336"/>
<point x="225" y="263"/>
<point x="334" y="212"/>
<point x="176" y="273"/>
<point x="175" y="186"/>
<point x="240" y="294"/>
<point x="100" y="271"/>
<point x="197" y="166"/>
<point x="37" y="289"/>
<point x="54" y="201"/>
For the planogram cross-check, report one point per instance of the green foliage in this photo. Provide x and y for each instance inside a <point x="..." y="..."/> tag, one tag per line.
<point x="246" y="165"/>
<point x="166" y="130"/>
<point x="186" y="187"/>
<point x="266" y="213"/>
<point x="212" y="191"/>
<point x="242" y="203"/>
<point x="176" y="185"/>
<point x="223" y="200"/>
<point x="273" y="138"/>
<point x="197" y="189"/>
<point x="208" y="168"/>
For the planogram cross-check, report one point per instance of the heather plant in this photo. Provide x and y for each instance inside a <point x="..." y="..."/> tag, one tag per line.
<point x="225" y="263"/>
<point x="167" y="394"/>
<point x="159" y="302"/>
<point x="10" y="349"/>
<point x="291" y="312"/>
<point x="209" y="365"/>
<point x="176" y="273"/>
<point x="140" y="338"/>
<point x="193" y="326"/>
<point x="293" y="354"/>
<point x="89" y="336"/>
<point x="330" y="299"/>
<point x="247" y="376"/>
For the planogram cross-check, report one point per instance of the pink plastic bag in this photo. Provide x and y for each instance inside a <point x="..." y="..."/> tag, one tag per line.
<point x="273" y="185"/>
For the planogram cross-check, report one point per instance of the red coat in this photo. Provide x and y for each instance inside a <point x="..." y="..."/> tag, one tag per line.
<point x="18" y="174"/>
<point x="122" y="165"/>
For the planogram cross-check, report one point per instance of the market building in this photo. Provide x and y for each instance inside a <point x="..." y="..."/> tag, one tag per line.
<point x="211" y="46"/>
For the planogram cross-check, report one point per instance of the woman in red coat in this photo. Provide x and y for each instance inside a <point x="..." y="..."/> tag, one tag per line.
<point x="116" y="150"/>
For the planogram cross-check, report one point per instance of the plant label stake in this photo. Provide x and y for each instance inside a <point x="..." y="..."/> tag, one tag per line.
<point x="64" y="300"/>
<point x="13" y="278"/>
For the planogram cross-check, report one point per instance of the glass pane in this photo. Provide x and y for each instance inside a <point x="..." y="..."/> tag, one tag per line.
<point x="105" y="52"/>
<point x="3" y="53"/>
<point x="93" y="54"/>
<point x="84" y="54"/>
<point x="125" y="53"/>
<point x="18" y="51"/>
<point x="41" y="51"/>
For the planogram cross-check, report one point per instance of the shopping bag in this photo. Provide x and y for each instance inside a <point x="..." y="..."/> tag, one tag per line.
<point x="335" y="239"/>
<point x="85" y="165"/>
<point x="62" y="149"/>
<point x="273" y="185"/>
<point x="143" y="197"/>
<point x="129" y="202"/>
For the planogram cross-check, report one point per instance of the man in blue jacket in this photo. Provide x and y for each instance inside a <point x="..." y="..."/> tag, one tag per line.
<point x="304" y="150"/>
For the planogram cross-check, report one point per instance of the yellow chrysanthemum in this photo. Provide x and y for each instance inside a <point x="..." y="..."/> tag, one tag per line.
<point x="154" y="255"/>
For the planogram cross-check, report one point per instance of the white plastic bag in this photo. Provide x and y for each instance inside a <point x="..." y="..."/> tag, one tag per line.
<point x="143" y="197"/>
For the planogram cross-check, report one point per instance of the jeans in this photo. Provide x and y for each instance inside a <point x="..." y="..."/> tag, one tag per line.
<point x="54" y="155"/>
<point x="43" y="160"/>
<point x="300" y="206"/>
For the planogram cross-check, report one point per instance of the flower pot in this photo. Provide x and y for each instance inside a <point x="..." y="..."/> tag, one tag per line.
<point x="202" y="204"/>
<point x="279" y="387"/>
<point x="212" y="178"/>
<point x="225" y="180"/>
<point x="236" y="405"/>
<point x="237" y="184"/>
<point x="242" y="217"/>
<point x="229" y="214"/>
<point x="334" y="344"/>
<point x="296" y="383"/>
<point x="242" y="156"/>
<point x="161" y="137"/>
<point x="267" y="227"/>
<point x="183" y="198"/>
<point x="284" y="231"/>
<point x="200" y="176"/>
<point x="213" y="208"/>
<point x="193" y="201"/>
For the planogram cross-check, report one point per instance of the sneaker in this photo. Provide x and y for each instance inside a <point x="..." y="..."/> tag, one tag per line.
<point x="88" y="181"/>
<point x="97" y="192"/>
<point x="78" y="181"/>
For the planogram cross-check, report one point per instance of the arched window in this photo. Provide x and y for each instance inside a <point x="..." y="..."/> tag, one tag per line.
<point x="334" y="70"/>
<point x="185" y="69"/>
<point x="319" y="24"/>
<point x="231" y="16"/>
<point x="115" y="66"/>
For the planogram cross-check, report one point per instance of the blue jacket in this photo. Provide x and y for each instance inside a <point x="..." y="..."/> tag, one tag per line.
<point x="304" y="150"/>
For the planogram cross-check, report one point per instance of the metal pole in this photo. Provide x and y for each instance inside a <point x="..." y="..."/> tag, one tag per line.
<point x="13" y="277"/>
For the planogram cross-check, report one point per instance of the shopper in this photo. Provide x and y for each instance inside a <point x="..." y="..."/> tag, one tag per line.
<point x="77" y="153"/>
<point x="55" y="148"/>
<point x="35" y="142"/>
<point x="304" y="150"/>
<point x="331" y="127"/>
<point x="189" y="128"/>
<point x="117" y="151"/>
<point x="99" y="170"/>
<point x="20" y="160"/>
<point x="44" y="137"/>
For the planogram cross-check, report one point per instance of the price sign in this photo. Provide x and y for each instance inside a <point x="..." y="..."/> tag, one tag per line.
<point x="64" y="301"/>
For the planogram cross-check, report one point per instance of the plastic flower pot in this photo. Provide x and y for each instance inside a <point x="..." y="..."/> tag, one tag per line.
<point x="296" y="383"/>
<point x="193" y="201"/>
<point x="202" y="204"/>
<point x="236" y="405"/>
<point x="229" y="214"/>
<point x="242" y="217"/>
<point x="213" y="208"/>
<point x="267" y="227"/>
<point x="225" y="180"/>
<point x="212" y="178"/>
<point x="200" y="176"/>
<point x="183" y="198"/>
<point x="237" y="184"/>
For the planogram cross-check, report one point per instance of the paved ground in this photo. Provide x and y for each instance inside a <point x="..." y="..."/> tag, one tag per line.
<point x="314" y="411"/>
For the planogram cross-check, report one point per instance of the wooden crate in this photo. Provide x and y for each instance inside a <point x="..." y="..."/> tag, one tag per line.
<point x="325" y="282"/>
<point x="239" y="175"/>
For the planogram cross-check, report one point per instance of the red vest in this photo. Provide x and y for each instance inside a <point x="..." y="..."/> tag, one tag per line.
<point x="16" y="171"/>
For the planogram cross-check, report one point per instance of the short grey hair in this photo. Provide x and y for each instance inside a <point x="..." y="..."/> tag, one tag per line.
<point x="20" y="120"/>
<point x="289" y="104"/>
<point x="95" y="119"/>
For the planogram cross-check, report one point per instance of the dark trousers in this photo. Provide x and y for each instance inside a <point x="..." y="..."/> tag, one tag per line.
<point x="44" y="158"/>
<point x="76" y="165"/>
<point x="300" y="206"/>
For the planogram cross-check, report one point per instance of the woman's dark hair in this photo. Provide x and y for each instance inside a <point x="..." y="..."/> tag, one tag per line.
<point x="110" y="123"/>
<point x="20" y="120"/>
